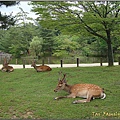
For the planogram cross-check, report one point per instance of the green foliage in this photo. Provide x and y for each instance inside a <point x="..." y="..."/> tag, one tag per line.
<point x="26" y="94"/>
<point x="99" y="19"/>
<point x="22" y="18"/>
<point x="18" y="44"/>
<point x="7" y="20"/>
<point x="67" y="29"/>
<point x="36" y="46"/>
<point x="48" y="45"/>
<point x="93" y="16"/>
<point x="94" y="47"/>
<point x="65" y="45"/>
<point x="8" y="3"/>
<point x="4" y="41"/>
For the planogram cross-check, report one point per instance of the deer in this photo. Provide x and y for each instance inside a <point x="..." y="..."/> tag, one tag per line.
<point x="41" y="68"/>
<point x="5" y="67"/>
<point x="86" y="91"/>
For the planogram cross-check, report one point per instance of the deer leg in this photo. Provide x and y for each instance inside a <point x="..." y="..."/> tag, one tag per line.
<point x="80" y="101"/>
<point x="83" y="101"/>
<point x="69" y="96"/>
<point x="57" y="98"/>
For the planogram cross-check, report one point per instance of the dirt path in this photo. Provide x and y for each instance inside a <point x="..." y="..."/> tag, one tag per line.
<point x="64" y="65"/>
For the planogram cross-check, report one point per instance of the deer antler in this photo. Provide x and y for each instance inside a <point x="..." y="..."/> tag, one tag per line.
<point x="64" y="79"/>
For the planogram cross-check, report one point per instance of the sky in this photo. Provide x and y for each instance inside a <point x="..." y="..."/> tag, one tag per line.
<point x="15" y="9"/>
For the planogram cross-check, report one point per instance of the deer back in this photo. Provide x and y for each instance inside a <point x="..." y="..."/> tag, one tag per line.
<point x="44" y="68"/>
<point x="83" y="89"/>
<point x="41" y="68"/>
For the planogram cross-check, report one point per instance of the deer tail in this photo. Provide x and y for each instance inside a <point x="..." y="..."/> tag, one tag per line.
<point x="103" y="96"/>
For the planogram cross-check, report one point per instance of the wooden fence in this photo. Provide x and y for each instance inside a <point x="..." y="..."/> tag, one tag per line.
<point x="77" y="62"/>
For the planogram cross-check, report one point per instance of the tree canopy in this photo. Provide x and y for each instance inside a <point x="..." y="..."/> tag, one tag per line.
<point x="64" y="29"/>
<point x="100" y="19"/>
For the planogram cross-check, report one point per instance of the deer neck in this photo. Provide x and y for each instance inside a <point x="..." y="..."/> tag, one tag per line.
<point x="35" y="66"/>
<point x="67" y="88"/>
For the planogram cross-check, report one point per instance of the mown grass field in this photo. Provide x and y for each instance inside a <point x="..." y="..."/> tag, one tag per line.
<point x="25" y="93"/>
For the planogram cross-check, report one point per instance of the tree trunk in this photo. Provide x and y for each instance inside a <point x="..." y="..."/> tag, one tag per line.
<point x="110" y="49"/>
<point x="110" y="55"/>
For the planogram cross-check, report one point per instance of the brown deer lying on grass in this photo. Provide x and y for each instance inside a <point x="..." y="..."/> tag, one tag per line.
<point x="41" y="68"/>
<point x="88" y="91"/>
<point x="6" y="68"/>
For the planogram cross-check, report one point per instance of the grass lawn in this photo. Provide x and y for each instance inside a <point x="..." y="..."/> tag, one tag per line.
<point x="25" y="93"/>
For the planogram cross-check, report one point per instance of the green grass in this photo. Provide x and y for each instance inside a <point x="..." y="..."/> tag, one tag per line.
<point x="25" y="93"/>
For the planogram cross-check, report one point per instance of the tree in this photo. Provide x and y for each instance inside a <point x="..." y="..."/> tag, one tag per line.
<point x="4" y="41"/>
<point x="22" y="18"/>
<point x="8" y="3"/>
<point x="36" y="46"/>
<point x="7" y="20"/>
<point x="99" y="19"/>
<point x="18" y="44"/>
<point x="48" y="41"/>
<point x="65" y="45"/>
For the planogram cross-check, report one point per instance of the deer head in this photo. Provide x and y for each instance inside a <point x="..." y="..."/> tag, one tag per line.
<point x="5" y="63"/>
<point x="5" y="67"/>
<point x="61" y="83"/>
<point x="33" y="64"/>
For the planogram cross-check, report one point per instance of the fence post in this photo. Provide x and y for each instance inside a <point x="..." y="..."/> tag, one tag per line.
<point x="16" y="61"/>
<point x="101" y="61"/>
<point x="48" y="60"/>
<point x="61" y="62"/>
<point x="23" y="63"/>
<point x="118" y="60"/>
<point x="42" y="61"/>
<point x="77" y="62"/>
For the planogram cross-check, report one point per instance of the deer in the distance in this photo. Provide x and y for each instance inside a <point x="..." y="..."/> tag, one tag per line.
<point x="6" y="67"/>
<point x="41" y="68"/>
<point x="87" y="91"/>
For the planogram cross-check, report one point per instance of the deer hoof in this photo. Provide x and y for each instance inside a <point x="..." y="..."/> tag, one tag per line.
<point x="75" y="102"/>
<point x="55" y="98"/>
